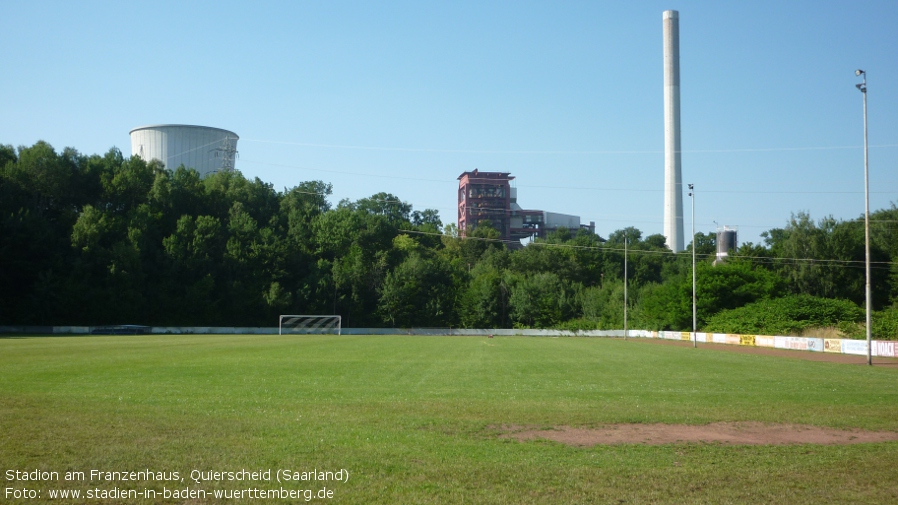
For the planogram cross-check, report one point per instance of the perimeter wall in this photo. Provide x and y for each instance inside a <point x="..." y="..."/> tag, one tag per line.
<point x="884" y="348"/>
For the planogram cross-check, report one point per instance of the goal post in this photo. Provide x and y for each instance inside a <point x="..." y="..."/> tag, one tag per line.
<point x="309" y="325"/>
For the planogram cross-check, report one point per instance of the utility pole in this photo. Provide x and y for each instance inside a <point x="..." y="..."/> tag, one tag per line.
<point x="626" y="331"/>
<point x="694" y="312"/>
<point x="863" y="87"/>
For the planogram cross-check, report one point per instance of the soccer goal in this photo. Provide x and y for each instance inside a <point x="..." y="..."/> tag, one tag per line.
<point x="309" y="325"/>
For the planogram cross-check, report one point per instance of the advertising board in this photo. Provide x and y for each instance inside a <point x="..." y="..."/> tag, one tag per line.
<point x="832" y="345"/>
<point x="858" y="347"/>
<point x="763" y="341"/>
<point x="799" y="343"/>
<point x="881" y="348"/>
<point x="815" y="344"/>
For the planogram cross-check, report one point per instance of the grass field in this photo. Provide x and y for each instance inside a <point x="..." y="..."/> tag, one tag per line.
<point x="415" y="419"/>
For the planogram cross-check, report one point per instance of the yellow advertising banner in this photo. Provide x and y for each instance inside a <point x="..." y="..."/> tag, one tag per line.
<point x="685" y="335"/>
<point x="763" y="341"/>
<point x="832" y="345"/>
<point x="746" y="340"/>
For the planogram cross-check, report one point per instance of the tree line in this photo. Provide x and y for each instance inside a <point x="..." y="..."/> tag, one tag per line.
<point x="95" y="240"/>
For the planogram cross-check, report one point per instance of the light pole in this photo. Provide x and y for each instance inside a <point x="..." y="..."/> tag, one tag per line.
<point x="863" y="87"/>
<point x="626" y="332"/>
<point x="694" y="325"/>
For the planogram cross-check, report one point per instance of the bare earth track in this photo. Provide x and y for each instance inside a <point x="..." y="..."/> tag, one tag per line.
<point x="781" y="353"/>
<point x="739" y="433"/>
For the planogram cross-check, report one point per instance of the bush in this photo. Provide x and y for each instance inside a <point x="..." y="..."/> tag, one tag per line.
<point x="885" y="324"/>
<point x="727" y="286"/>
<point x="579" y="324"/>
<point x="785" y="316"/>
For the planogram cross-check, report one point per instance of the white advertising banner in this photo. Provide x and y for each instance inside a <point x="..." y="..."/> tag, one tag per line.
<point x="815" y="344"/>
<point x="719" y="338"/>
<point x="672" y="335"/>
<point x="854" y="347"/>
<point x="799" y="343"/>
<point x="702" y="337"/>
<point x="881" y="348"/>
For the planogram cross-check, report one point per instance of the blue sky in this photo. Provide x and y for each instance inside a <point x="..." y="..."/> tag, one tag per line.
<point x="403" y="97"/>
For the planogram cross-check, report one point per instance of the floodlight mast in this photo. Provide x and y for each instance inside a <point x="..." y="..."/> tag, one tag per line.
<point x="863" y="89"/>
<point x="694" y="312"/>
<point x="626" y="331"/>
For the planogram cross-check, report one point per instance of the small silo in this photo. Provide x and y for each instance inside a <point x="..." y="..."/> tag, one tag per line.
<point x="726" y="242"/>
<point x="206" y="149"/>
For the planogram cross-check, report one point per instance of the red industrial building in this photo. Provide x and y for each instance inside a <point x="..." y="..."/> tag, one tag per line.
<point x="489" y="196"/>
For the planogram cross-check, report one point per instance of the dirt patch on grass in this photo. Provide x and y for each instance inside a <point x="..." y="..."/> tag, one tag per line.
<point x="739" y="433"/>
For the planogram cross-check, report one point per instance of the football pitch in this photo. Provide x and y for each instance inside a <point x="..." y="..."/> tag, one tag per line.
<point x="411" y="419"/>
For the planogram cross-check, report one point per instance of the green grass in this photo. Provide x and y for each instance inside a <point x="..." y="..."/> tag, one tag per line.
<point x="414" y="418"/>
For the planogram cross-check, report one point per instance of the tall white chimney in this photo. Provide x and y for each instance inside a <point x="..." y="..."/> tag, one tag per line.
<point x="673" y="178"/>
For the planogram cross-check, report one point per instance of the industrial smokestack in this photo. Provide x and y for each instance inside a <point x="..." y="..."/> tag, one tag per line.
<point x="673" y="178"/>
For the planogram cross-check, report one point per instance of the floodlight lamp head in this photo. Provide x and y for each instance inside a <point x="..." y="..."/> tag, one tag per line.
<point x="858" y="72"/>
<point x="691" y="186"/>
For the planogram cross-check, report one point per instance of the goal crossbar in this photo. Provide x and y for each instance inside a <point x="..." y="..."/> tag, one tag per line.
<point x="309" y="324"/>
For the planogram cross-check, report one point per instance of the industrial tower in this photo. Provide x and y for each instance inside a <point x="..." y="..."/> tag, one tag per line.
<point x="673" y="177"/>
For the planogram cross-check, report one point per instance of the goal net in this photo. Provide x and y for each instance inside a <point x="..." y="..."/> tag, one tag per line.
<point x="309" y="325"/>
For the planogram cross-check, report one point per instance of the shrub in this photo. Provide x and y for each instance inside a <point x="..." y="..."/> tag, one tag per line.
<point x="885" y="324"/>
<point x="785" y="316"/>
<point x="579" y="324"/>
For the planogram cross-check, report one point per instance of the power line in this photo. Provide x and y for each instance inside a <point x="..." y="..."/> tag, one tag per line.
<point x="843" y="263"/>
<point x="640" y="190"/>
<point x="582" y="188"/>
<point x="558" y="151"/>
<point x="331" y="171"/>
<point x="621" y="218"/>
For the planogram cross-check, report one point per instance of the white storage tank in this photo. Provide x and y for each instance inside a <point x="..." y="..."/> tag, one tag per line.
<point x="206" y="149"/>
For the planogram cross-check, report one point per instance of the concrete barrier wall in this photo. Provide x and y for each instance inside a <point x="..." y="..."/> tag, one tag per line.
<point x="496" y="332"/>
<point x="213" y="330"/>
<point x="883" y="348"/>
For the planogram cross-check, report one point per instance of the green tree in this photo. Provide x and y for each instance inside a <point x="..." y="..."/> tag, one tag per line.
<point x="541" y="300"/>
<point x="358" y="245"/>
<point x="604" y="305"/>
<point x="418" y="292"/>
<point x="812" y="256"/>
<point x="485" y="301"/>
<point x="385" y="204"/>
<point x="478" y="241"/>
